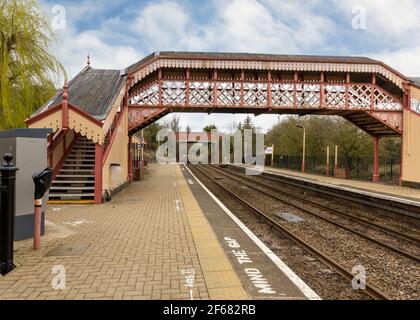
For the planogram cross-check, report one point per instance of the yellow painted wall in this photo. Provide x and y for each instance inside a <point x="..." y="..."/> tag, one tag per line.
<point x="86" y="128"/>
<point x="59" y="149"/>
<point x="411" y="151"/>
<point x="116" y="176"/>
<point x="58" y="153"/>
<point x="53" y="121"/>
<point x="70" y="137"/>
<point x="415" y="93"/>
<point x="115" y="108"/>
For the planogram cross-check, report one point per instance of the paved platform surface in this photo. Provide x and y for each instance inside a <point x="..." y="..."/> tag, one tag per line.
<point x="402" y="193"/>
<point x="152" y="242"/>
<point x="262" y="277"/>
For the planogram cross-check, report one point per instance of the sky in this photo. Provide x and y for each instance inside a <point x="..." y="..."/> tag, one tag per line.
<point x="120" y="32"/>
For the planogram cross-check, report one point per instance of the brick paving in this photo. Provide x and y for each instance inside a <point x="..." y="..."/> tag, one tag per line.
<point x="143" y="245"/>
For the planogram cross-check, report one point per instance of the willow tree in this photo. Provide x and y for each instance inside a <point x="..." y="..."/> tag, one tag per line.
<point x="27" y="67"/>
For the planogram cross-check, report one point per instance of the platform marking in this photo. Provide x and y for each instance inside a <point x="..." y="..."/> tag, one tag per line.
<point x="299" y="283"/>
<point x="189" y="281"/>
<point x="190" y="182"/>
<point x="255" y="275"/>
<point x="78" y="223"/>
<point x="178" y="205"/>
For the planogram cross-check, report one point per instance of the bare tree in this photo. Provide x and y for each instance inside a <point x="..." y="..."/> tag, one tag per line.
<point x="173" y="124"/>
<point x="231" y="126"/>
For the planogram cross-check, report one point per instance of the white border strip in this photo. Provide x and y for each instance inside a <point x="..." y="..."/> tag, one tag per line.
<point x="298" y="282"/>
<point x="335" y="186"/>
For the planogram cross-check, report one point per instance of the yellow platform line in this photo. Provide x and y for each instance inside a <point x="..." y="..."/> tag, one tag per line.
<point x="221" y="280"/>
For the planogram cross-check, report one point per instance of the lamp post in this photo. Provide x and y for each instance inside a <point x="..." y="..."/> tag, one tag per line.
<point x="304" y="147"/>
<point x="328" y="161"/>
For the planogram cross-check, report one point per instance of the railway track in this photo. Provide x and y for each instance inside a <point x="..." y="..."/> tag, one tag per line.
<point x="410" y="213"/>
<point x="400" y="236"/>
<point x="372" y="291"/>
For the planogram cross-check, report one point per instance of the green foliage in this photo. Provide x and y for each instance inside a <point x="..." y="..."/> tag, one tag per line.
<point x="150" y="134"/>
<point x="322" y="131"/>
<point x="248" y="124"/>
<point x="26" y="65"/>
<point x="209" y="128"/>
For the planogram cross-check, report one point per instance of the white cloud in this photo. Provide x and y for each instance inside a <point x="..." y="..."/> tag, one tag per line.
<point x="269" y="26"/>
<point x="405" y="60"/>
<point x="393" y="21"/>
<point x="74" y="48"/>
<point x="238" y="25"/>
<point x="197" y="121"/>
<point x="164" y="26"/>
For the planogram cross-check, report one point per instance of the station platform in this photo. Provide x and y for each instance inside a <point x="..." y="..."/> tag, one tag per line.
<point x="394" y="193"/>
<point x="165" y="237"/>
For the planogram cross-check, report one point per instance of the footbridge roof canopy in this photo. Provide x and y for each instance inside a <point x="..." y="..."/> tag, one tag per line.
<point x="95" y="92"/>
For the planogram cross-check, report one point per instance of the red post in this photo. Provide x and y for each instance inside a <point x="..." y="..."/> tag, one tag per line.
<point x="130" y="159"/>
<point x="242" y="87"/>
<point x="322" y="99"/>
<point x="51" y="152"/>
<point x="98" y="173"/>
<point x="187" y="87"/>
<point x="37" y="224"/>
<point x="373" y="91"/>
<point x="65" y="107"/>
<point x="295" y="97"/>
<point x="347" y="96"/>
<point x="215" y="94"/>
<point x="160" y="96"/>
<point x="376" y="160"/>
<point x="328" y="161"/>
<point x="269" y="92"/>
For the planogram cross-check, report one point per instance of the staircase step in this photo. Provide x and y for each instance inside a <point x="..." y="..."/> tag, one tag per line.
<point x="80" y="161"/>
<point x="69" y="195"/>
<point x="72" y="182"/>
<point x="74" y="176"/>
<point x="76" y="170"/>
<point x="71" y="188"/>
<point x="80" y="157"/>
<point x="78" y="165"/>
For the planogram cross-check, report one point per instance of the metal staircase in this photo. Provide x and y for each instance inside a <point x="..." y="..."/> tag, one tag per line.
<point x="75" y="182"/>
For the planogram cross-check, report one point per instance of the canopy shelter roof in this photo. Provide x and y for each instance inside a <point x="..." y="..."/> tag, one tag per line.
<point x="250" y="57"/>
<point x="93" y="91"/>
<point x="416" y="80"/>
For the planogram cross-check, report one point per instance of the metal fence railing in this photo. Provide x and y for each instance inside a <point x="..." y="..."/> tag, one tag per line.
<point x="360" y="168"/>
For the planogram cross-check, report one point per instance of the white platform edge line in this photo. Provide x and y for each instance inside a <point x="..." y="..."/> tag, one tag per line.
<point x="349" y="188"/>
<point x="298" y="282"/>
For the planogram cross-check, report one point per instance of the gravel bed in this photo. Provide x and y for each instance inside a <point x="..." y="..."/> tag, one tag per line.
<point x="395" y="275"/>
<point x="328" y="284"/>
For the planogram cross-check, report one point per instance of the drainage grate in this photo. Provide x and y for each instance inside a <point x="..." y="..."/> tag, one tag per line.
<point x="68" y="251"/>
<point x="289" y="217"/>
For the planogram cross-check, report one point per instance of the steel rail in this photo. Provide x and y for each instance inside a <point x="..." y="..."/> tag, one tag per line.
<point x="383" y="229"/>
<point x="399" y="211"/>
<point x="371" y="290"/>
<point x="378" y="242"/>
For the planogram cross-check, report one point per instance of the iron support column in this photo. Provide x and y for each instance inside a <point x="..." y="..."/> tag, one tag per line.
<point x="98" y="173"/>
<point x="7" y="214"/>
<point x="130" y="158"/>
<point x="376" y="178"/>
